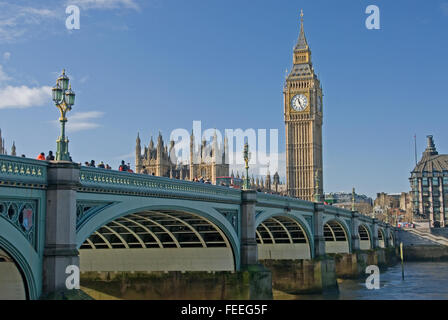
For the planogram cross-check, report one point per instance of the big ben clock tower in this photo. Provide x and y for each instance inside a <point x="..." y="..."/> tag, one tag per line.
<point x="303" y="121"/>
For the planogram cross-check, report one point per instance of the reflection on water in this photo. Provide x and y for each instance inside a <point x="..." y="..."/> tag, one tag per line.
<point x="423" y="280"/>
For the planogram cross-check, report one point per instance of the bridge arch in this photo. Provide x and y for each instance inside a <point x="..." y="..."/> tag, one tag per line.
<point x="296" y="216"/>
<point x="337" y="236"/>
<point x="382" y="240"/>
<point x="283" y="237"/>
<point x="365" y="238"/>
<point x="391" y="239"/>
<point x="24" y="256"/>
<point x="149" y="217"/>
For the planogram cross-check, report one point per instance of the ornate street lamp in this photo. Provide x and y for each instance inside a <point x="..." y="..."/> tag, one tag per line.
<point x="246" y="183"/>
<point x="64" y="99"/>
<point x="353" y="199"/>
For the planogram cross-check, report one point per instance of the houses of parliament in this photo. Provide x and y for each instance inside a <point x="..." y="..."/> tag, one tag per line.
<point x="303" y="114"/>
<point x="3" y="146"/>
<point x="207" y="161"/>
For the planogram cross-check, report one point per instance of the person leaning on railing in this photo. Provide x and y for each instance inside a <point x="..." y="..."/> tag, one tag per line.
<point x="41" y="156"/>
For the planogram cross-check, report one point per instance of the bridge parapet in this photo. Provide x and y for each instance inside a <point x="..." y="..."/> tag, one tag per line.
<point x="364" y="219"/>
<point x="272" y="200"/>
<point x="101" y="180"/>
<point x="338" y="212"/>
<point x="17" y="171"/>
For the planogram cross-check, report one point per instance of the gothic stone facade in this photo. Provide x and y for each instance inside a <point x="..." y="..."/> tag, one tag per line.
<point x="3" y="146"/>
<point x="207" y="161"/>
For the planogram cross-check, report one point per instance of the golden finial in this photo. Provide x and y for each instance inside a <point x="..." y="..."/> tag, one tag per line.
<point x="301" y="15"/>
<point x="63" y="71"/>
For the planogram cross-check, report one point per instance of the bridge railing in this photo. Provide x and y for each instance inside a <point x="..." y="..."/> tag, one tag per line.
<point x="16" y="170"/>
<point x="102" y="180"/>
<point x="266" y="199"/>
<point x="364" y="218"/>
<point x="337" y="211"/>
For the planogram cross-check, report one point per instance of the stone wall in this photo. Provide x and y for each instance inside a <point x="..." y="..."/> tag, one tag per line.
<point x="353" y="265"/>
<point x="425" y="253"/>
<point x="254" y="283"/>
<point x="302" y="276"/>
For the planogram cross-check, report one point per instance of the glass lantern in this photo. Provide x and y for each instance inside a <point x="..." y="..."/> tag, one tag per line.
<point x="69" y="97"/>
<point x="56" y="94"/>
<point x="63" y="81"/>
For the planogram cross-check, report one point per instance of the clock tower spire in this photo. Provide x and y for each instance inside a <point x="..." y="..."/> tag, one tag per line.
<point x="303" y="123"/>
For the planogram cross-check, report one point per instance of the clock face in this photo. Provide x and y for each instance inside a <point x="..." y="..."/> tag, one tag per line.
<point x="299" y="102"/>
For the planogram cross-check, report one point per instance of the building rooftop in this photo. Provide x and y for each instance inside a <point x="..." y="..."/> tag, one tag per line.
<point x="431" y="159"/>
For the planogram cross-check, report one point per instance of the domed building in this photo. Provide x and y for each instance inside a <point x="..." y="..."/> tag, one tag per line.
<point x="429" y="184"/>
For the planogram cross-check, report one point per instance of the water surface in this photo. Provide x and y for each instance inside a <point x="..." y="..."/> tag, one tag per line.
<point x="423" y="280"/>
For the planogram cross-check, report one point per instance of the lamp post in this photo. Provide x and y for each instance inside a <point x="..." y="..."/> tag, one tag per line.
<point x="64" y="99"/>
<point x="353" y="199"/>
<point x="246" y="183"/>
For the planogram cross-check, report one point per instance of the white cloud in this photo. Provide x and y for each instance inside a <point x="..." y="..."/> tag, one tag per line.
<point x="22" y="21"/>
<point x="24" y="97"/>
<point x="16" y="20"/>
<point x="34" y="12"/>
<point x="6" y="55"/>
<point x="81" y="121"/>
<point x="104" y="4"/>
<point x="3" y="76"/>
<point x="79" y="116"/>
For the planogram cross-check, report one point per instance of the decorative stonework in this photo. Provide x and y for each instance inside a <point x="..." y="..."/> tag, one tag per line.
<point x="22" y="171"/>
<point x="348" y="222"/>
<point x="86" y="209"/>
<point x="232" y="217"/>
<point x="22" y="215"/>
<point x="100" y="180"/>
<point x="309" y="220"/>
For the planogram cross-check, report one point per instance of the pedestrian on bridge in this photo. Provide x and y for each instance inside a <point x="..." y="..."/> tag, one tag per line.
<point x="123" y="166"/>
<point x="41" y="156"/>
<point x="50" y="156"/>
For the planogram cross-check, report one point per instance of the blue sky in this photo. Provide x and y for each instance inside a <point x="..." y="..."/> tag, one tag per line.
<point x="144" y="66"/>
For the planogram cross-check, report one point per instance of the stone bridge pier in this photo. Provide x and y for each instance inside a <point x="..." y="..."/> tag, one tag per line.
<point x="60" y="250"/>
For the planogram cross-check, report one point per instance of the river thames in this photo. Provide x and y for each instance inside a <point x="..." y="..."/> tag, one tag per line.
<point x="423" y="281"/>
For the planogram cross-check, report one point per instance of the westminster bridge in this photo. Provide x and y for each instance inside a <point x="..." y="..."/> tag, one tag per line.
<point x="57" y="214"/>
